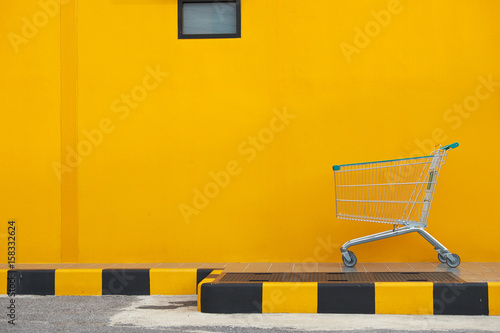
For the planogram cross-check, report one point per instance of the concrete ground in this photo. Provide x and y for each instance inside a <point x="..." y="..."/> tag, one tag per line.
<point x="179" y="314"/>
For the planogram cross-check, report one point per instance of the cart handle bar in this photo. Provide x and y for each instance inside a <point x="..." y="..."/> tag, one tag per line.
<point x="452" y="146"/>
<point x="447" y="147"/>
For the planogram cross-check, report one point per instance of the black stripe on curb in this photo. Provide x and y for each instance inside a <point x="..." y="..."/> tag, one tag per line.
<point x="231" y="298"/>
<point x="202" y="273"/>
<point x="33" y="282"/>
<point x="346" y="298"/>
<point x="125" y="282"/>
<point x="461" y="299"/>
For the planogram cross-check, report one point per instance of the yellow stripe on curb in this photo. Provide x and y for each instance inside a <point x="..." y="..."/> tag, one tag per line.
<point x="289" y="297"/>
<point x="404" y="298"/>
<point x="206" y="280"/>
<point x="217" y="271"/>
<point x="78" y="282"/>
<point x="172" y="281"/>
<point x="494" y="298"/>
<point x="3" y="281"/>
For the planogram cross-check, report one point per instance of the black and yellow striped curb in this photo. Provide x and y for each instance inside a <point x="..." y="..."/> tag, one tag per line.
<point x="424" y="298"/>
<point x="265" y="297"/>
<point x="89" y="282"/>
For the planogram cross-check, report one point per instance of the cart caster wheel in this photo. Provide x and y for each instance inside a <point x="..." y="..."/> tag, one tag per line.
<point x="442" y="258"/>
<point x="455" y="262"/>
<point x="353" y="260"/>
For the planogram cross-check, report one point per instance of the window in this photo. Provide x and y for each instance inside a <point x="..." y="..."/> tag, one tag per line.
<point x="209" y="19"/>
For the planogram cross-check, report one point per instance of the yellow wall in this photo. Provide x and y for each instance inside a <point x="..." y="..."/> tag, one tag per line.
<point x="349" y="99"/>
<point x="30" y="129"/>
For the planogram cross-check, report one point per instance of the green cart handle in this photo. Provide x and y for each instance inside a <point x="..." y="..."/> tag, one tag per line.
<point x="452" y="146"/>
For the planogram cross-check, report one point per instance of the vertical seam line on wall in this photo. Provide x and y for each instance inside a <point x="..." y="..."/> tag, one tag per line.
<point x="69" y="130"/>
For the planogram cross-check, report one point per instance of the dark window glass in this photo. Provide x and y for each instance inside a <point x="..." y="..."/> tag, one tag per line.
<point x="209" y="19"/>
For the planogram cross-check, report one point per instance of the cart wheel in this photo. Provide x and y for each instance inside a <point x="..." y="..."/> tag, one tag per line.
<point x="455" y="262"/>
<point x="353" y="260"/>
<point x="442" y="258"/>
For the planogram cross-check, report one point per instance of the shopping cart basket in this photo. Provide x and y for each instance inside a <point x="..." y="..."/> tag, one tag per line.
<point x="397" y="192"/>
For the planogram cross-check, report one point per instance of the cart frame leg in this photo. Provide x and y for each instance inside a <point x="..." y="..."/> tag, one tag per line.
<point x="393" y="233"/>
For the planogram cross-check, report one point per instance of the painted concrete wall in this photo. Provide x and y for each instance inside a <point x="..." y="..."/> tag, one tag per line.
<point x="30" y="128"/>
<point x="221" y="150"/>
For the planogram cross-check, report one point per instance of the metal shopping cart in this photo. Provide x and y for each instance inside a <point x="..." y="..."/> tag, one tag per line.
<point x="397" y="192"/>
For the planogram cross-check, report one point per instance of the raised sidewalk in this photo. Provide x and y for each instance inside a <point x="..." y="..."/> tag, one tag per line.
<point x="476" y="291"/>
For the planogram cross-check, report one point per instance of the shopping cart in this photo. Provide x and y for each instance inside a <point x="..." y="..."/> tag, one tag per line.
<point x="397" y="192"/>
